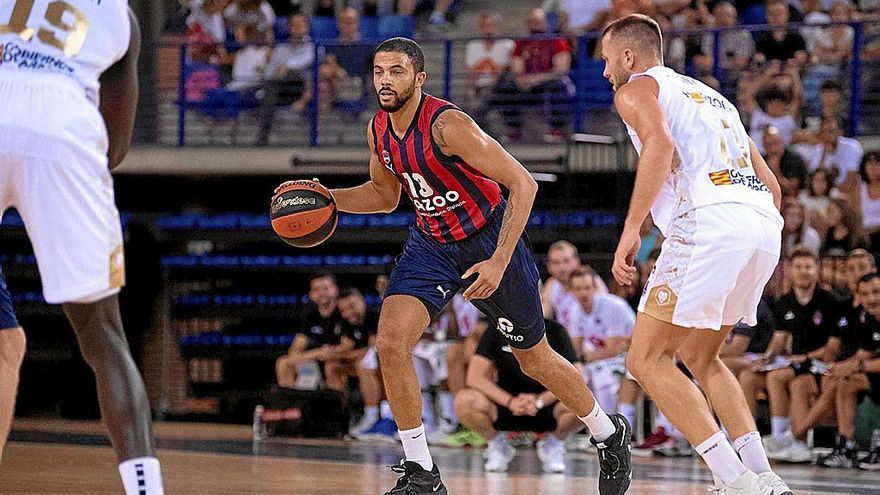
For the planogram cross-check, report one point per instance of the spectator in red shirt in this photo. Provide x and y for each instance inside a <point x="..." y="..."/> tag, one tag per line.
<point x="538" y="76"/>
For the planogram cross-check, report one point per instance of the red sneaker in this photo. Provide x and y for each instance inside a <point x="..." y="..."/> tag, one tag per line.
<point x="646" y="448"/>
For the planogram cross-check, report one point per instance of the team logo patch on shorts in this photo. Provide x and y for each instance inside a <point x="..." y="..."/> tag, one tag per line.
<point x="661" y="303"/>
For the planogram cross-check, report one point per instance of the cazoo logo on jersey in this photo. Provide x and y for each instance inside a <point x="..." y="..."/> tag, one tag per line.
<point x="505" y="326"/>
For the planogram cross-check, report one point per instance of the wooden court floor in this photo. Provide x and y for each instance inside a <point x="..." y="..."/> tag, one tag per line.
<point x="72" y="458"/>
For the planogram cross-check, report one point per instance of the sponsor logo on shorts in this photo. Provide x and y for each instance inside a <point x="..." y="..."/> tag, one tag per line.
<point x="294" y="201"/>
<point x="505" y="326"/>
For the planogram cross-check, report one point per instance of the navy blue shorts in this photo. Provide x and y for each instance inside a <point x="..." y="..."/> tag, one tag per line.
<point x="432" y="272"/>
<point x="7" y="314"/>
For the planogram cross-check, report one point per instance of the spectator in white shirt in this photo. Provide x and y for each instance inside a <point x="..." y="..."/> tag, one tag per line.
<point x="869" y="195"/>
<point x="250" y="61"/>
<point x="841" y="155"/>
<point x="486" y="59"/>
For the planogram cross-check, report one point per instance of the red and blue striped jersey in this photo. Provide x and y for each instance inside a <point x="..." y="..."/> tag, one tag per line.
<point x="451" y="198"/>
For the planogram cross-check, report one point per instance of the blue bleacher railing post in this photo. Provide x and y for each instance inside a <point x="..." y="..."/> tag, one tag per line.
<point x="716" y="54"/>
<point x="181" y="98"/>
<point x="447" y="76"/>
<point x="855" y="87"/>
<point x="316" y="93"/>
<point x="580" y="77"/>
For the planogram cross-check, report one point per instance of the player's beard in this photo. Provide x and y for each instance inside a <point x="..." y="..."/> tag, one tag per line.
<point x="399" y="100"/>
<point x="621" y="76"/>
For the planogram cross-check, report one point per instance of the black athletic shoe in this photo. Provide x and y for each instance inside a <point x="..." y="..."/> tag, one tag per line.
<point x="615" y="461"/>
<point x="417" y="481"/>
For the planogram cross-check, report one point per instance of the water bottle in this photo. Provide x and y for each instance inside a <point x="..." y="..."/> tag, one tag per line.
<point x="259" y="427"/>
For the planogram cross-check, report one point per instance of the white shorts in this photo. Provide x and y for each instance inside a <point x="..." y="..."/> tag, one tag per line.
<point x="605" y="373"/>
<point x="429" y="358"/>
<point x="69" y="212"/>
<point x="713" y="267"/>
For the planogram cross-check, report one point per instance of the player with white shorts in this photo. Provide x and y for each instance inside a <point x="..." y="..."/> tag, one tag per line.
<point x="68" y="89"/>
<point x="716" y="202"/>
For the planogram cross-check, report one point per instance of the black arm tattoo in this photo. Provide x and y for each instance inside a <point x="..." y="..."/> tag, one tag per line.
<point x="504" y="232"/>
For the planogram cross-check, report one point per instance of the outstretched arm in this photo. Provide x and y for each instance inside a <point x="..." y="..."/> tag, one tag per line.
<point x="119" y="97"/>
<point x="638" y="106"/>
<point x="378" y="195"/>
<point x="458" y="135"/>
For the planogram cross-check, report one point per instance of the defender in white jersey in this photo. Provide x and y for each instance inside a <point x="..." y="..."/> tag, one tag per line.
<point x="68" y="89"/>
<point x="716" y="202"/>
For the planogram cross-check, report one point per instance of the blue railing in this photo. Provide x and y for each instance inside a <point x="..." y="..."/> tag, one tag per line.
<point x="592" y="92"/>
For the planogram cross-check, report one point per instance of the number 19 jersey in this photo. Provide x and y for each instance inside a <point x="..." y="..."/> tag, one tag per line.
<point x="452" y="199"/>
<point x="712" y="162"/>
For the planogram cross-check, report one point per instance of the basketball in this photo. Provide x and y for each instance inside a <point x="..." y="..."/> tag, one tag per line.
<point x="303" y="213"/>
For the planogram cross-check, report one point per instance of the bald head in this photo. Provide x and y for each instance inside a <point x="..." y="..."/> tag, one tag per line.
<point x="536" y="21"/>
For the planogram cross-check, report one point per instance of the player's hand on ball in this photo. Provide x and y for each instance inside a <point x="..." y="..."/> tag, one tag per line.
<point x="623" y="268"/>
<point x="490" y="273"/>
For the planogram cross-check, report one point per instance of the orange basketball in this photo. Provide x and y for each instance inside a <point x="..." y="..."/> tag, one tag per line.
<point x="303" y="213"/>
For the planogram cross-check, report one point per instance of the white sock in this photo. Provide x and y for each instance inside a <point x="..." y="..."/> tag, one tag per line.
<point x="751" y="451"/>
<point x="721" y="458"/>
<point x="427" y="410"/>
<point x="599" y="423"/>
<point x="415" y="447"/>
<point x="385" y="410"/>
<point x="628" y="411"/>
<point x="371" y="413"/>
<point x="141" y="476"/>
<point x="779" y="425"/>
<point x="447" y="409"/>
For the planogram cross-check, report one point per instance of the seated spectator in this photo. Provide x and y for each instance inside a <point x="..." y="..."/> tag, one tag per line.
<point x="855" y="376"/>
<point x="499" y="398"/>
<point x="834" y="44"/>
<point x="485" y="60"/>
<point x="538" y="76"/>
<point x="346" y="63"/>
<point x="737" y="45"/>
<point x="439" y="10"/>
<point x="287" y="75"/>
<point x="841" y="155"/>
<point x="790" y="169"/>
<point x="814" y="18"/>
<point x="780" y="44"/>
<point x="808" y="317"/>
<point x="796" y="229"/>
<point x="206" y="31"/>
<point x="255" y="13"/>
<point x="818" y="193"/>
<point x="844" y="231"/>
<point x="601" y="334"/>
<point x="772" y="106"/>
<point x="830" y="104"/>
<point x="557" y="302"/>
<point x="869" y="195"/>
<point x="432" y="372"/>
<point x="325" y="8"/>
<point x="320" y="337"/>
<point x="746" y="342"/>
<point x="249" y="65"/>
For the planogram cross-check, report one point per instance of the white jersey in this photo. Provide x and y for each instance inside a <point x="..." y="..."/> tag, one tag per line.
<point x="712" y="162"/>
<point x="467" y="317"/>
<point x="52" y="54"/>
<point x="565" y="307"/>
<point x="611" y="316"/>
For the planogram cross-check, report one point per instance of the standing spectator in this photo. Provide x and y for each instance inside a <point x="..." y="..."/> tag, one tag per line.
<point x="485" y="60"/>
<point x="780" y="44"/>
<point x="539" y="70"/>
<point x="320" y="332"/>
<point x="796" y="229"/>
<point x="788" y="166"/>
<point x="844" y="231"/>
<point x="841" y="155"/>
<point x="287" y="74"/>
<point x="501" y="398"/>
<point x="869" y="195"/>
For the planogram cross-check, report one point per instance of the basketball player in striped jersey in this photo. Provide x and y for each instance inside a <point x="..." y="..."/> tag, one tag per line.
<point x="466" y="236"/>
<point x="717" y="204"/>
<point x="68" y="90"/>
